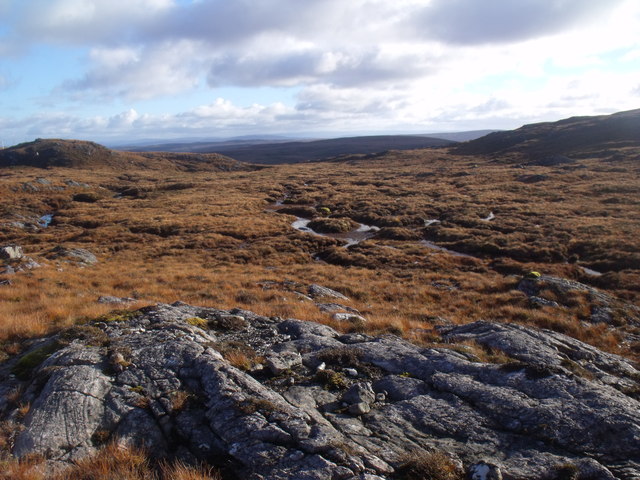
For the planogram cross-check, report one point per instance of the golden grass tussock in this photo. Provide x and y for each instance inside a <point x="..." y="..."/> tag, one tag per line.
<point x="114" y="461"/>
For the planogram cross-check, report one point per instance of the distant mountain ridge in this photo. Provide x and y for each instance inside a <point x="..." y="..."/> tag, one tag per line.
<point x="301" y="151"/>
<point x="575" y="135"/>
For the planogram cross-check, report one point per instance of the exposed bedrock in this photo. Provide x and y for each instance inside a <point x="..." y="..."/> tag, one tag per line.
<point x="267" y="398"/>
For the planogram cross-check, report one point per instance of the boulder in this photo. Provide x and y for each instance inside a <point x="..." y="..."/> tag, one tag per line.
<point x="485" y="471"/>
<point x="316" y="291"/>
<point x="360" y="392"/>
<point x="281" y="362"/>
<point x="11" y="252"/>
<point x="109" y="299"/>
<point x="76" y="255"/>
<point x="349" y="317"/>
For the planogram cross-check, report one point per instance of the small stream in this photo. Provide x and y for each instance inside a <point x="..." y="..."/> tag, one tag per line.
<point x="360" y="234"/>
<point x="45" y="220"/>
<point x="364" y="232"/>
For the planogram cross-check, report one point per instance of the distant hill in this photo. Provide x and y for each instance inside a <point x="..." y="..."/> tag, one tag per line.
<point x="191" y="146"/>
<point x="301" y="151"/>
<point x="575" y="135"/>
<point x="460" y="136"/>
<point x="48" y="153"/>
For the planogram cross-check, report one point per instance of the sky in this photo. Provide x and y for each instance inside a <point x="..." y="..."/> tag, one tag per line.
<point x="132" y="70"/>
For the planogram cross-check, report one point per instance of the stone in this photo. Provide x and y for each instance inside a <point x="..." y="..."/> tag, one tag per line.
<point x="335" y="307"/>
<point x="28" y="263"/>
<point x="601" y="315"/>
<point x="316" y="291"/>
<point x="73" y="183"/>
<point x="360" y="408"/>
<point x="542" y="302"/>
<point x="360" y="392"/>
<point x="11" y="252"/>
<point x="485" y="471"/>
<point x="7" y="270"/>
<point x="280" y="362"/>
<point x="115" y="300"/>
<point x="348" y="317"/>
<point x="78" y="255"/>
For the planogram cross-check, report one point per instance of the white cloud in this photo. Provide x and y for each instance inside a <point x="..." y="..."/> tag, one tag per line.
<point x="87" y="21"/>
<point x="136" y="74"/>
<point x="356" y="65"/>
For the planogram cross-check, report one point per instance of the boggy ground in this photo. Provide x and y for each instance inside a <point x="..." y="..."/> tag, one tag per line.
<point x="209" y="238"/>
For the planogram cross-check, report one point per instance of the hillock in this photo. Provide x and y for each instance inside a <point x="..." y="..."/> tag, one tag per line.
<point x="576" y="136"/>
<point x="78" y="154"/>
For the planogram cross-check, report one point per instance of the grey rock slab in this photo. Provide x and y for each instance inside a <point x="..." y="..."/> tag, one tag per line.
<point x="316" y="291"/>
<point x="544" y="347"/>
<point x="78" y="255"/>
<point x="66" y="413"/>
<point x="173" y="391"/>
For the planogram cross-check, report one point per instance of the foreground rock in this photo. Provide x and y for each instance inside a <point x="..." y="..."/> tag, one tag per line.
<point x="189" y="382"/>
<point x="11" y="252"/>
<point x="79" y="256"/>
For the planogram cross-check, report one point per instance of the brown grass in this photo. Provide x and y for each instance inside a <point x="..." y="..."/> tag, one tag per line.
<point x="421" y="465"/>
<point x="112" y="462"/>
<point x="207" y="238"/>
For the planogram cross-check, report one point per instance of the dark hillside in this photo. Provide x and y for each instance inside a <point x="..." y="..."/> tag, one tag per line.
<point x="295" y="152"/>
<point x="45" y="153"/>
<point x="575" y="135"/>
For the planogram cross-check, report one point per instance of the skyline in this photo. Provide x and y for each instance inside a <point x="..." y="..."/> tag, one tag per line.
<point x="118" y="71"/>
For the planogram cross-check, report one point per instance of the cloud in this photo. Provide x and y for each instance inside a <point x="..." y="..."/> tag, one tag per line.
<point x="137" y="74"/>
<point x="331" y="65"/>
<point x="472" y="22"/>
<point x="314" y="65"/>
<point x="86" y="21"/>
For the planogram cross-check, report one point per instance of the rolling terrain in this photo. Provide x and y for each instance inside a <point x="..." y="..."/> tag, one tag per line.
<point x="313" y="150"/>
<point x="51" y="153"/>
<point x="487" y="298"/>
<point x="575" y="136"/>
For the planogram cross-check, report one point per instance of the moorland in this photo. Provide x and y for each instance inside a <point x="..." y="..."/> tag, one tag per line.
<point x="451" y="232"/>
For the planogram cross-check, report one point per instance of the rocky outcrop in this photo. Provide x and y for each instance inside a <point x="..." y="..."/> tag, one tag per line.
<point x="604" y="307"/>
<point x="79" y="256"/>
<point x="11" y="252"/>
<point x="267" y="398"/>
